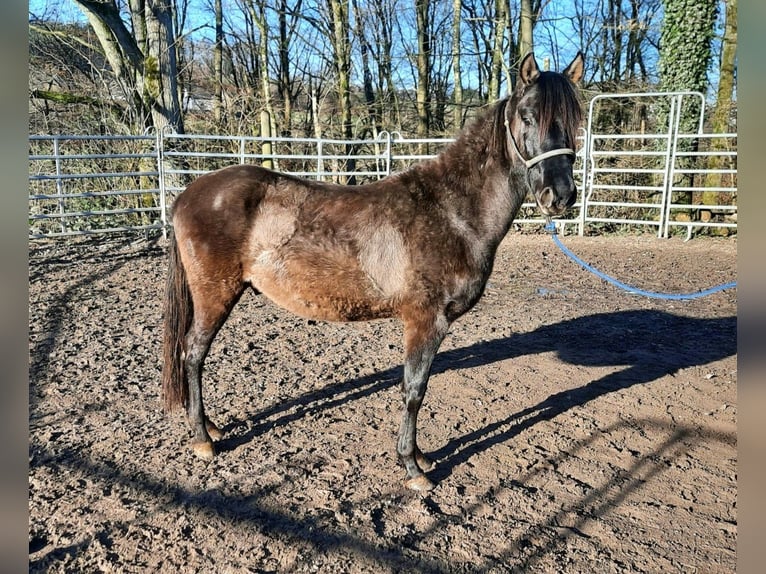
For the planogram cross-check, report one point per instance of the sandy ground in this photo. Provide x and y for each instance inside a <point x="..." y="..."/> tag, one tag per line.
<point x="576" y="428"/>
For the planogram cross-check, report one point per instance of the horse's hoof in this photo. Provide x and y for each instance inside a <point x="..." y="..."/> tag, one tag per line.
<point x="424" y="462"/>
<point x="419" y="483"/>
<point x="204" y="450"/>
<point x="215" y="433"/>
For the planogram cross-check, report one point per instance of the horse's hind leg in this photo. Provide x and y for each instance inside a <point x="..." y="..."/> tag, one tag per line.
<point x="208" y="319"/>
<point x="422" y="335"/>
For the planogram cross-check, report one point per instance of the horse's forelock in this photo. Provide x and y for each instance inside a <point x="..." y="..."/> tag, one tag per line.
<point x="557" y="98"/>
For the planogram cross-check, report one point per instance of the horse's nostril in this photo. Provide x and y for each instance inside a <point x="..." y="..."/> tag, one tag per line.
<point x="546" y="197"/>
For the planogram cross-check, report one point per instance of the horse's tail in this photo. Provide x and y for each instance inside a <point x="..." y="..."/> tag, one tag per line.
<point x="178" y="317"/>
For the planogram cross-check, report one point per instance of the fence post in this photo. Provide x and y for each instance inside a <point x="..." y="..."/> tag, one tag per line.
<point x="59" y="184"/>
<point x="159" y="143"/>
<point x="389" y="151"/>
<point x="268" y="161"/>
<point x="320" y="161"/>
<point x="670" y="160"/>
<point x="379" y="154"/>
<point x="586" y="174"/>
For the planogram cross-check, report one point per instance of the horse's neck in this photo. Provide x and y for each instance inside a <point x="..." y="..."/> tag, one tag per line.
<point x="486" y="196"/>
<point x="502" y="202"/>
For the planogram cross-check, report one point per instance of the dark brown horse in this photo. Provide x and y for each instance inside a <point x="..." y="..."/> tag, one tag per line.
<point x="418" y="245"/>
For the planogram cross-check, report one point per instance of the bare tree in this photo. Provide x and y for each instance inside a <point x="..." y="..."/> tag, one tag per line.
<point x="493" y="46"/>
<point x="67" y="79"/>
<point x="341" y="44"/>
<point x="372" y="103"/>
<point x="457" y="93"/>
<point x="143" y="62"/>
<point x="381" y="16"/>
<point x="218" y="64"/>
<point x="257" y="12"/>
<point x="423" y="72"/>
<point x="500" y="55"/>
<point x="527" y="18"/>
<point x="287" y="89"/>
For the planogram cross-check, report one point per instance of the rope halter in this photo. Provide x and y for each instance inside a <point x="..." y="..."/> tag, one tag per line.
<point x="538" y="158"/>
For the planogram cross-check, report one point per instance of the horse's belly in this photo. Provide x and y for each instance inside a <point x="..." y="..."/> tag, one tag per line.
<point x="326" y="306"/>
<point x="324" y="292"/>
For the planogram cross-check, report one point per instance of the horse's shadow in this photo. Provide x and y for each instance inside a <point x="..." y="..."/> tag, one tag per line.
<point x="648" y="344"/>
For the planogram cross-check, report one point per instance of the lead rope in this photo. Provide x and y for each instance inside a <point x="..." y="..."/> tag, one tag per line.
<point x="550" y="227"/>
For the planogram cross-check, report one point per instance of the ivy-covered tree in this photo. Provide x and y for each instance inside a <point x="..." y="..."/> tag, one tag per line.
<point x="685" y="49"/>
<point x="723" y="120"/>
<point x="685" y="55"/>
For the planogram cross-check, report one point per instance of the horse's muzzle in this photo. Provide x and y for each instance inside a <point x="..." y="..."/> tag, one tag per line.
<point x="552" y="203"/>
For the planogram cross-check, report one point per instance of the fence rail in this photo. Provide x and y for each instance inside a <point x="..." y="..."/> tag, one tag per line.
<point x="102" y="184"/>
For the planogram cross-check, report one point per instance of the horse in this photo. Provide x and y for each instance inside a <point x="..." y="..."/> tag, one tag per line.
<point x="417" y="245"/>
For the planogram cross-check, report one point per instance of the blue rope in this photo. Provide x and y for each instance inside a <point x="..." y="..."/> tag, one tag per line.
<point x="551" y="228"/>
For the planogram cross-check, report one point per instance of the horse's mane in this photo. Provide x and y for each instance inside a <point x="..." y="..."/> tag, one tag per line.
<point x="485" y="135"/>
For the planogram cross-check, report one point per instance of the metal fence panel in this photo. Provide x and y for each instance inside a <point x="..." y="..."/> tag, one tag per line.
<point x="92" y="184"/>
<point x="664" y="180"/>
<point x="102" y="184"/>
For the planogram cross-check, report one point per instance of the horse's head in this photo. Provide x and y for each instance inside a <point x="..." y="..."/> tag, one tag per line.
<point x="541" y="125"/>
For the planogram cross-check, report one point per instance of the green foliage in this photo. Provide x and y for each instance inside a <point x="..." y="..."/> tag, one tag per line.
<point x="686" y="51"/>
<point x="151" y="78"/>
<point x="685" y="46"/>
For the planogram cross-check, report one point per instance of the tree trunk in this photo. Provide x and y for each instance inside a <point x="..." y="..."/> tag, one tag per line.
<point x="372" y="105"/>
<point x="285" y="82"/>
<point x="218" y="65"/>
<point x="423" y="69"/>
<point x="160" y="66"/>
<point x="526" y="26"/>
<point x="457" y="96"/>
<point x="341" y="44"/>
<point x="722" y="116"/>
<point x="144" y="64"/>
<point x="258" y="14"/>
<point x="387" y="94"/>
<point x="498" y="54"/>
<point x="685" y="52"/>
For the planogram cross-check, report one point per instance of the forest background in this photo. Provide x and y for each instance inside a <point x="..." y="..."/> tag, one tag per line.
<point x="353" y="68"/>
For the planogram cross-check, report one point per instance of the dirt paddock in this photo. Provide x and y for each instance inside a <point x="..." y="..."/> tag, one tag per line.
<point x="576" y="427"/>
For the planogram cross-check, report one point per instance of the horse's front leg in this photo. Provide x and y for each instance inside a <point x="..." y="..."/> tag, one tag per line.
<point x="422" y="337"/>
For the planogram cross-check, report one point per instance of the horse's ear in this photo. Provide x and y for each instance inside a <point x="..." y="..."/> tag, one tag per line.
<point x="574" y="70"/>
<point x="529" y="71"/>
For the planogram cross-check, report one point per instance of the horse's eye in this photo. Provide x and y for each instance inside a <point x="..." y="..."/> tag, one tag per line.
<point x="528" y="120"/>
